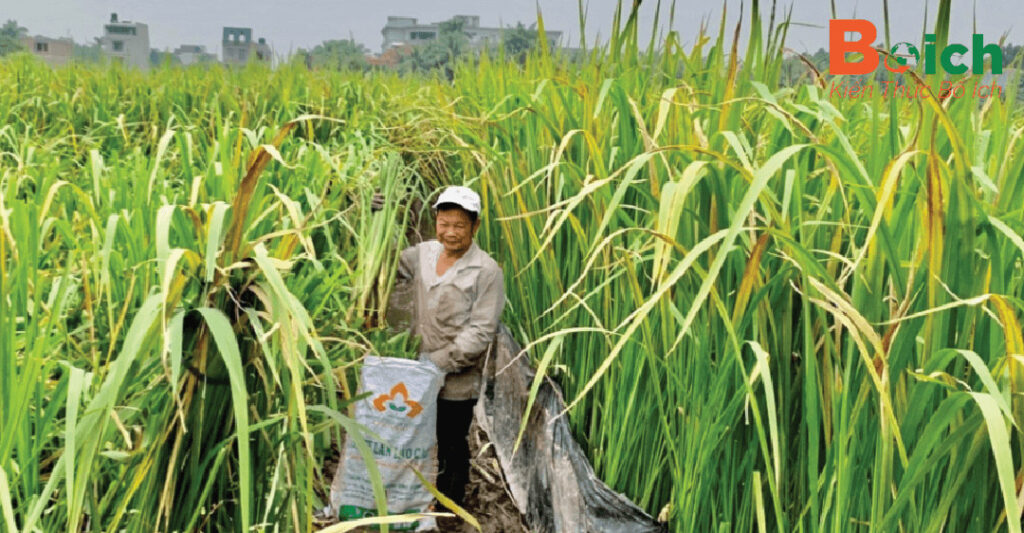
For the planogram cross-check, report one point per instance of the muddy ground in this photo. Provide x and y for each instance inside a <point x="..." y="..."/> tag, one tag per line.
<point x="487" y="496"/>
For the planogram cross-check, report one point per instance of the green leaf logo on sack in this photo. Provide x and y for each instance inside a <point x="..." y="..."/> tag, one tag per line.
<point x="390" y="402"/>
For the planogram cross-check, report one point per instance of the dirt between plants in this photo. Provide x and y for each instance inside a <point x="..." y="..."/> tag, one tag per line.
<point x="487" y="495"/>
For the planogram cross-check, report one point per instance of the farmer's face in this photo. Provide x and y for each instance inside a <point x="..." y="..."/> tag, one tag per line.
<point x="455" y="230"/>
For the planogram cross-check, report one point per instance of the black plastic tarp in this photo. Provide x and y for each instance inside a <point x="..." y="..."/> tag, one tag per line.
<point x="551" y="481"/>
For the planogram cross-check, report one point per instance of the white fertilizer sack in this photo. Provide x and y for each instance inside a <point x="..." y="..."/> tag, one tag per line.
<point x="402" y="410"/>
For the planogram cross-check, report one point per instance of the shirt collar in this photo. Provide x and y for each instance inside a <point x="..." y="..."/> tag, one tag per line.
<point x="473" y="258"/>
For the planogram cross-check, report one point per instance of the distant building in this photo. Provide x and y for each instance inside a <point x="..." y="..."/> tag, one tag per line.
<point x="55" y="52"/>
<point x="126" y="42"/>
<point x="238" y="47"/>
<point x="190" y="54"/>
<point x="408" y="31"/>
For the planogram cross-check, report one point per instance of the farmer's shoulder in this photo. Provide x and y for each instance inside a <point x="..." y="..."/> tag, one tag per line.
<point x="420" y="247"/>
<point x="409" y="253"/>
<point x="487" y="263"/>
<point x="408" y="260"/>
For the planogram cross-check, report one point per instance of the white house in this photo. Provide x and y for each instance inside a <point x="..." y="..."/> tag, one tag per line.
<point x="55" y="52"/>
<point x="400" y="31"/>
<point x="238" y="47"/>
<point x="126" y="42"/>
<point x="190" y="54"/>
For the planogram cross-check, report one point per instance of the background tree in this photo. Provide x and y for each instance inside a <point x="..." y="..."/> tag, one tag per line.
<point x="441" y="53"/>
<point x="88" y="53"/>
<point x="519" y="41"/>
<point x="343" y="54"/>
<point x="1010" y="53"/>
<point x="159" y="58"/>
<point x="10" y="37"/>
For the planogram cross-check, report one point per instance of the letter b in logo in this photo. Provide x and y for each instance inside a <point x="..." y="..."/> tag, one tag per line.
<point x="838" y="46"/>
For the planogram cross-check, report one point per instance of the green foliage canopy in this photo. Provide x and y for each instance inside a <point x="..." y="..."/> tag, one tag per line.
<point x="10" y="37"/>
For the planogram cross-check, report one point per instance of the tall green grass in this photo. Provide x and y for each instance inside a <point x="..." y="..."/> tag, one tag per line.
<point x="177" y="267"/>
<point x="770" y="309"/>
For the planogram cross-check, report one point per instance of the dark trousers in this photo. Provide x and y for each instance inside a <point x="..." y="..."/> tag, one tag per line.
<point x="453" y="419"/>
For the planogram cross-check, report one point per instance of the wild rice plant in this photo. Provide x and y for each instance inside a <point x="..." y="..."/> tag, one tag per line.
<point x="173" y="266"/>
<point x="770" y="308"/>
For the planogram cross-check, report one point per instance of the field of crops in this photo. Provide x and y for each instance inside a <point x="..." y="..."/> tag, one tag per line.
<point x="770" y="309"/>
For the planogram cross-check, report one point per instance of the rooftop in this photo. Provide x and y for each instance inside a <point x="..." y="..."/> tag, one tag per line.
<point x="114" y="21"/>
<point x="44" y="39"/>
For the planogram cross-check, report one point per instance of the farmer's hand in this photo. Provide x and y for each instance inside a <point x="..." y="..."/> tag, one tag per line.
<point x="377" y="203"/>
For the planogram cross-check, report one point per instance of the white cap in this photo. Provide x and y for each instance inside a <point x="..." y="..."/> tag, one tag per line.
<point x="463" y="197"/>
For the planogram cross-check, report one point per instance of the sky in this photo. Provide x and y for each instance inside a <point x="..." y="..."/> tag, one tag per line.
<point x="293" y="24"/>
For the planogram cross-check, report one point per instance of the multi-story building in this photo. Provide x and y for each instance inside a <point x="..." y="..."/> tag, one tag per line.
<point x="401" y="31"/>
<point x="55" y="52"/>
<point x="190" y="54"/>
<point x="238" y="48"/>
<point x="126" y="42"/>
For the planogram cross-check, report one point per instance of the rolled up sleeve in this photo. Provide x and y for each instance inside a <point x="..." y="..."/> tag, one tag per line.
<point x="470" y="343"/>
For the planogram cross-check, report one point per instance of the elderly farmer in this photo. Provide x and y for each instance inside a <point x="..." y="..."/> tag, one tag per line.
<point x="460" y="293"/>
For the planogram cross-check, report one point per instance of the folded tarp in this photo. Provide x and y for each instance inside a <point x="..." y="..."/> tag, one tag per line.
<point x="550" y="479"/>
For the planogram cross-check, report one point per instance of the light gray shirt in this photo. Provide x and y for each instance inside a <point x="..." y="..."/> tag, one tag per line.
<point x="457" y="313"/>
